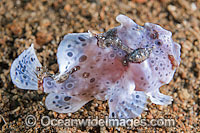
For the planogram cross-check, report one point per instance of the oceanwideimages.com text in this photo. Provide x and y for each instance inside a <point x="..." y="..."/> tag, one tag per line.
<point x="108" y="122"/>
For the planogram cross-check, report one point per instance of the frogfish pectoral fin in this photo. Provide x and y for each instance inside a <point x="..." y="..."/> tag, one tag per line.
<point x="127" y="104"/>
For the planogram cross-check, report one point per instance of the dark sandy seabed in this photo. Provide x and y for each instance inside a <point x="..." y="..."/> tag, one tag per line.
<point x="45" y="22"/>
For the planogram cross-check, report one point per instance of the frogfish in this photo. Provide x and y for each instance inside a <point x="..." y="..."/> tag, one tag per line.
<point x="125" y="65"/>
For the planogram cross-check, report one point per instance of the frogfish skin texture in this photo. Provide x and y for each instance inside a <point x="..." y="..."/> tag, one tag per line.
<point x="125" y="65"/>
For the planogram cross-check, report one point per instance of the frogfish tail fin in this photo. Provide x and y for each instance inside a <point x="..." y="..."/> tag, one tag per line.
<point x="24" y="70"/>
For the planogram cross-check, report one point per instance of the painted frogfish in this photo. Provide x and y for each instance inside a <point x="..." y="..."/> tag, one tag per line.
<point x="125" y="65"/>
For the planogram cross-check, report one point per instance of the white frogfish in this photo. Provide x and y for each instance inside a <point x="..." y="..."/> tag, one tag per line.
<point x="125" y="65"/>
